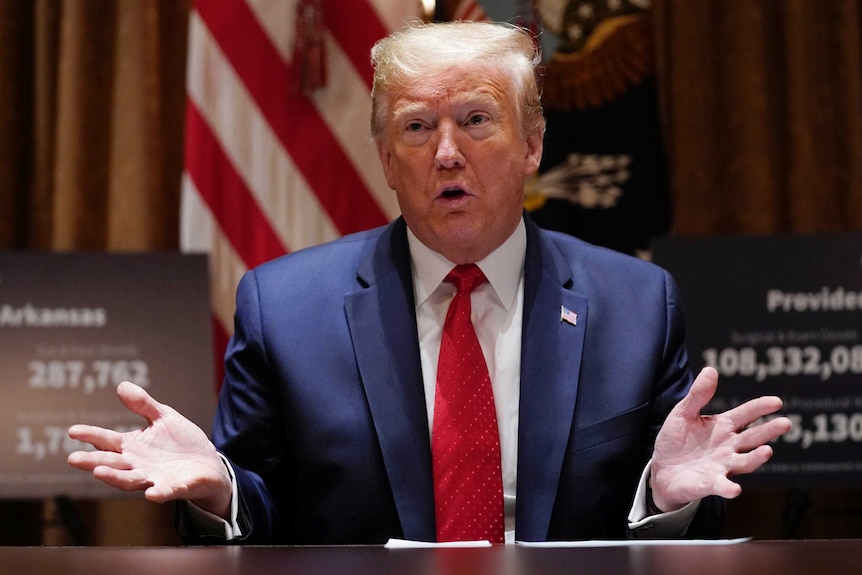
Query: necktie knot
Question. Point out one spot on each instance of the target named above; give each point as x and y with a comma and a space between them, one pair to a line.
466, 277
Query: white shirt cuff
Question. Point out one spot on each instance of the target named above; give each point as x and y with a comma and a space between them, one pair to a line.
206, 523
662, 525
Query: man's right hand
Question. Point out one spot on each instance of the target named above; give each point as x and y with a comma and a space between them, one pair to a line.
171, 458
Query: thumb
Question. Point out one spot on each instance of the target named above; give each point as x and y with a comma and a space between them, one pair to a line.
139, 401
701, 392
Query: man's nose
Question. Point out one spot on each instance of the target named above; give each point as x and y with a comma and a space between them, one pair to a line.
448, 152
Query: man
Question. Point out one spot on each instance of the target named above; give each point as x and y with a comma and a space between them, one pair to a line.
328, 428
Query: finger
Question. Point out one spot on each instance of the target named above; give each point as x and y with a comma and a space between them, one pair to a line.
747, 413
762, 433
89, 460
139, 401
701, 392
726, 488
159, 494
99, 437
126, 480
751, 461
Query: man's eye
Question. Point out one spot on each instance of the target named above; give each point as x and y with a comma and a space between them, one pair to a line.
477, 119
414, 127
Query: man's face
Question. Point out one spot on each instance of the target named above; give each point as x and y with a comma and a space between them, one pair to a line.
456, 156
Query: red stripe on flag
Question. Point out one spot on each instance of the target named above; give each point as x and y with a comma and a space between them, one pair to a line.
356, 34
294, 119
229, 199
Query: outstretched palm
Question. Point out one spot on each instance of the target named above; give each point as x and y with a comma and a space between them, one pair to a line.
171, 458
696, 454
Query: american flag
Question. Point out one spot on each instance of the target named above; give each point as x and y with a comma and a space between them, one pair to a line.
568, 316
271, 168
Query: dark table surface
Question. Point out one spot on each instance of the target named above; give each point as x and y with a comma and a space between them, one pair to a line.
758, 557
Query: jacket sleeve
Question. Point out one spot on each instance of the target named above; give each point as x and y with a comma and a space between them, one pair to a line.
247, 424
672, 383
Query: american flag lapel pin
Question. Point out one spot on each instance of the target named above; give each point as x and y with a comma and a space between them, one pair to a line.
568, 316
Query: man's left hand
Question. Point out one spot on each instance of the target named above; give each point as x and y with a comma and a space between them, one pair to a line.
695, 455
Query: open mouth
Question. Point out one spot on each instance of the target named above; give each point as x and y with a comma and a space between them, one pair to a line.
453, 193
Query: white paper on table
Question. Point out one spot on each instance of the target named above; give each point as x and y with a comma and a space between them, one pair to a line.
633, 542
408, 544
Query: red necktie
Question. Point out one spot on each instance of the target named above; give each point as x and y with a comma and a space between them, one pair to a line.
465, 443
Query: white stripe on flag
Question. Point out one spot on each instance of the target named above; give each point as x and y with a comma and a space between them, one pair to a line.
348, 118
202, 234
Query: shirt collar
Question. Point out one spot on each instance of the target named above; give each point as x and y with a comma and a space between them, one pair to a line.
430, 268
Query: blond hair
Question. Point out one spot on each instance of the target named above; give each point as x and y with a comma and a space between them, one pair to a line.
420, 50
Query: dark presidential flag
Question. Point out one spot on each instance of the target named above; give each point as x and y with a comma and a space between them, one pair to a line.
603, 175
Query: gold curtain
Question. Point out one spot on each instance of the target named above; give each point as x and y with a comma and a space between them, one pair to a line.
91, 112
762, 103
91, 118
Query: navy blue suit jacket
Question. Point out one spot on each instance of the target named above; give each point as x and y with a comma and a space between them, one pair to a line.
322, 411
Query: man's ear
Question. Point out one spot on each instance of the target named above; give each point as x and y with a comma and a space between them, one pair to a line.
385, 161
535, 145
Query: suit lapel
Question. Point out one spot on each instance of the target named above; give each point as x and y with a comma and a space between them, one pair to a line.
380, 314
550, 368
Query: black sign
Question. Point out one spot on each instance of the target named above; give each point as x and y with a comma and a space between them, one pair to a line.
72, 327
782, 315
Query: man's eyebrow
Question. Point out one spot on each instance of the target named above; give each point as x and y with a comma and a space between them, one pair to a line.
481, 99
406, 108
409, 108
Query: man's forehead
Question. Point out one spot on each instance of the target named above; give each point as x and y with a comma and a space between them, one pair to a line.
431, 96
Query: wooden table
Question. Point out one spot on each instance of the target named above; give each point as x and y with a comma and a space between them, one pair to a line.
833, 557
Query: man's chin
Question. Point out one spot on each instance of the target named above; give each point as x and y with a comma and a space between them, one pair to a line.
464, 245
